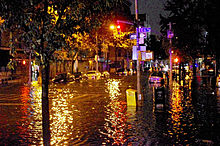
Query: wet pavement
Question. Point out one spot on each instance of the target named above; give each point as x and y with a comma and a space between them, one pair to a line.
95, 112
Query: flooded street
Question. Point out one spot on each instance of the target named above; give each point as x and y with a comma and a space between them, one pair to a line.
95, 112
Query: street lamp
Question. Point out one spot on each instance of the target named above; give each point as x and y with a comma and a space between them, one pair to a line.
112, 27
170, 36
176, 60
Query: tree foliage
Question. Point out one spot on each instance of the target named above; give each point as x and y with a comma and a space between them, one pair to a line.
190, 25
45, 26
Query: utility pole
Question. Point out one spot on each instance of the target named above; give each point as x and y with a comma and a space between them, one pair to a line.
138, 57
97, 56
30, 69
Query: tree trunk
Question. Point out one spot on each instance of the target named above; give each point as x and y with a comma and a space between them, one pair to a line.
45, 104
56, 68
64, 66
73, 61
108, 53
180, 72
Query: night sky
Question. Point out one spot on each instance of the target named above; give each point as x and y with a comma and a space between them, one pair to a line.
153, 8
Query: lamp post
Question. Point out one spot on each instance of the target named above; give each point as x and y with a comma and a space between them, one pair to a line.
30, 69
113, 27
96, 57
169, 36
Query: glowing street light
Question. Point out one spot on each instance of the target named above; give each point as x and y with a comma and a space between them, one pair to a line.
176, 60
112, 27
23, 62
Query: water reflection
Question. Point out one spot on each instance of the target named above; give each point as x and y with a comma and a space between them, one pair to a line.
95, 113
36, 114
21, 116
181, 129
61, 116
115, 118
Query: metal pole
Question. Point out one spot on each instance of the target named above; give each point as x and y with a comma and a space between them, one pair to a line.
97, 65
171, 65
138, 57
30, 69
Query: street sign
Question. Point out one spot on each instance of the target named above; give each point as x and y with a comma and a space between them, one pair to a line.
135, 52
170, 34
149, 55
141, 40
143, 35
145, 29
134, 35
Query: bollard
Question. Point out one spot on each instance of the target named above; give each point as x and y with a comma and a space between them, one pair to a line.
131, 95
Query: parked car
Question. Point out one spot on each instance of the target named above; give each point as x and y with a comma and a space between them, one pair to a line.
105, 74
157, 77
92, 75
60, 78
76, 76
123, 71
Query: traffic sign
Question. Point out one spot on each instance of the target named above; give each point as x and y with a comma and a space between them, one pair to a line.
170, 34
134, 36
135, 52
141, 40
145, 29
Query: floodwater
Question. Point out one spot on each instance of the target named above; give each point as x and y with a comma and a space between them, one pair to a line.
95, 112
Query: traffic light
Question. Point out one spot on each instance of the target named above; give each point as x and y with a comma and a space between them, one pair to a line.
112, 27
176, 60
23, 62
118, 29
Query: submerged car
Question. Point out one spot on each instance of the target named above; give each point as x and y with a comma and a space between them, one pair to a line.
67, 77
123, 71
157, 77
60, 78
120, 71
76, 76
105, 74
92, 75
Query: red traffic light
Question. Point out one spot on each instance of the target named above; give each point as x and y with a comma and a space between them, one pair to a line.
176, 60
118, 27
23, 62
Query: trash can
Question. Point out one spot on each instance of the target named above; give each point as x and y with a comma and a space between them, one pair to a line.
131, 95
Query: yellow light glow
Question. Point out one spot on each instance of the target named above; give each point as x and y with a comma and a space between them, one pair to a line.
1, 20
115, 116
112, 27
176, 60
